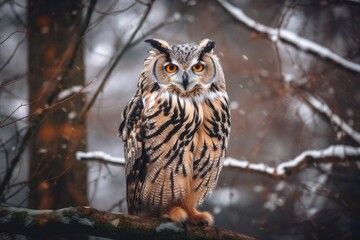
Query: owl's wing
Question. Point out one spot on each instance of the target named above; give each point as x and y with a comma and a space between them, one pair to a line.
135, 167
213, 138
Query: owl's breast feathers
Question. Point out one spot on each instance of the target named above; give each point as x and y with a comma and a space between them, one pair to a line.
174, 147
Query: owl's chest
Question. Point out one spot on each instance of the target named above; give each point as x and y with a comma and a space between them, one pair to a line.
170, 119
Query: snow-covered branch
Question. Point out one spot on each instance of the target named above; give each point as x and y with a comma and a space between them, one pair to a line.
89, 221
101, 157
330, 154
284, 35
323, 108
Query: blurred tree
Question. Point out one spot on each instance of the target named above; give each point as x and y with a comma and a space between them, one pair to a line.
56, 178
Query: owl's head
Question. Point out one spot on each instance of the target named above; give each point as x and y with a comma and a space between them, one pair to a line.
185, 68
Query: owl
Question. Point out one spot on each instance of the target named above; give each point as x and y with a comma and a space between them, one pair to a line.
175, 132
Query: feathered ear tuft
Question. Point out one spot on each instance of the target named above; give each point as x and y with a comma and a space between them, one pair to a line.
161, 45
206, 46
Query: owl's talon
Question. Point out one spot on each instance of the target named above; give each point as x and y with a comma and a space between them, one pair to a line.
203, 223
201, 218
178, 215
184, 222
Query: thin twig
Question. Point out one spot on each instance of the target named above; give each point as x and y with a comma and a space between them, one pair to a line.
12, 55
17, 31
116, 12
114, 64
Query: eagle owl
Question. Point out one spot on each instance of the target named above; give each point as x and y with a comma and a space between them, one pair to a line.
176, 131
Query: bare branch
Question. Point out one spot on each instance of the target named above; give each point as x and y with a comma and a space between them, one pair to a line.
289, 37
115, 12
13, 54
89, 221
321, 107
17, 31
115, 62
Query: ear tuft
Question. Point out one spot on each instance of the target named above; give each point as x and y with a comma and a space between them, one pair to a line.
206, 46
161, 45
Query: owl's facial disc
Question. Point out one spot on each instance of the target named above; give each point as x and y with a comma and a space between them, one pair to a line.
184, 68
184, 77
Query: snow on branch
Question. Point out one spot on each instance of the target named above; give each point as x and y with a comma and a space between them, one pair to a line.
287, 36
297, 163
323, 108
100, 157
70, 91
89, 221
329, 154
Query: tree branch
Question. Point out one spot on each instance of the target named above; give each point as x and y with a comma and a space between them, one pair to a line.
89, 221
100, 157
284, 35
331, 154
321, 107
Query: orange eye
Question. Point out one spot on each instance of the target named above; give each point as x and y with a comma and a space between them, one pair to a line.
198, 67
170, 68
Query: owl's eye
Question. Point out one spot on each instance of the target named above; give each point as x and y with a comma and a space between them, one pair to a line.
170, 68
199, 67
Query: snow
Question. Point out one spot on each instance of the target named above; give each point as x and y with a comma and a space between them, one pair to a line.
280, 186
340, 151
169, 226
70, 91
234, 105
231, 162
271, 203
290, 37
99, 155
72, 115
216, 210
227, 196
288, 77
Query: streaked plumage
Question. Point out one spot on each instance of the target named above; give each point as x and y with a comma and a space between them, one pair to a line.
176, 130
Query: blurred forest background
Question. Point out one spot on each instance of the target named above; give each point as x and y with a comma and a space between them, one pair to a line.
67, 69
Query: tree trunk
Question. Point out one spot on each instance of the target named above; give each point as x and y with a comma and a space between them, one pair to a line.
56, 179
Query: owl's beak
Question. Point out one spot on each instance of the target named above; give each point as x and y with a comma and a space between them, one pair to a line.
185, 80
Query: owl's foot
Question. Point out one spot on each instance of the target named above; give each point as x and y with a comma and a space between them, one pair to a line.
201, 218
178, 215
